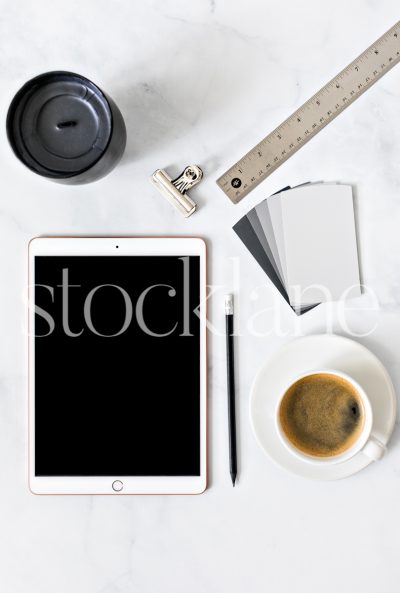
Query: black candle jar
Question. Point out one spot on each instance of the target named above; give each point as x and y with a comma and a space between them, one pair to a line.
63, 127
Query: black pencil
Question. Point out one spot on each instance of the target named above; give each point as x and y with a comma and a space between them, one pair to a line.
231, 387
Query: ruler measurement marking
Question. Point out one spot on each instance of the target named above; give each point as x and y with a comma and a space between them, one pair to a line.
346, 87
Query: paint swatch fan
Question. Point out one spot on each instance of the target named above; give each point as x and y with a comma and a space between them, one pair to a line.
304, 239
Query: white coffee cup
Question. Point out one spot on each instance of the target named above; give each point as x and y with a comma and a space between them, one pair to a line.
366, 443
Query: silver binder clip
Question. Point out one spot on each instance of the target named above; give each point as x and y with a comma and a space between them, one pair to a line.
175, 189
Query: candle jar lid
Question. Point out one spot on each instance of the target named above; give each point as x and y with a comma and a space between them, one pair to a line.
60, 124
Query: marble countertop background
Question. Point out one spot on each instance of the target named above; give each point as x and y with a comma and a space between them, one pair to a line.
202, 82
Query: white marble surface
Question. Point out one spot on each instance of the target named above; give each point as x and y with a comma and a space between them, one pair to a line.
202, 81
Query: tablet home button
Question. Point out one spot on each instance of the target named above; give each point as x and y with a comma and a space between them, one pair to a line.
117, 485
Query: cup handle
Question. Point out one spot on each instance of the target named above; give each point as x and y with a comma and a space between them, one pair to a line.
374, 449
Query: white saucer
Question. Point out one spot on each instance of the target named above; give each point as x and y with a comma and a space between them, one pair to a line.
312, 352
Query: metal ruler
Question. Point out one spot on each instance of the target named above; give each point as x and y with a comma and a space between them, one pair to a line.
311, 117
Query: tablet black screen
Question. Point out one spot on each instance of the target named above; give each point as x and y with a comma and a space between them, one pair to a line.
117, 366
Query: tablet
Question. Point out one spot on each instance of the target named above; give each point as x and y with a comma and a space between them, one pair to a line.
117, 366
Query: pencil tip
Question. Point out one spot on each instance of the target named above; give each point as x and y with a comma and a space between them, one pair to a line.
233, 477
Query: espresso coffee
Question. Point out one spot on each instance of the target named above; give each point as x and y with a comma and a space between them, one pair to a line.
322, 415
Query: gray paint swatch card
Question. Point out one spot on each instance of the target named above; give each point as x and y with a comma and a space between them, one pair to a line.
275, 212
258, 229
246, 233
265, 222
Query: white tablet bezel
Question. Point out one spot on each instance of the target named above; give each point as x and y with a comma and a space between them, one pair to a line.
126, 246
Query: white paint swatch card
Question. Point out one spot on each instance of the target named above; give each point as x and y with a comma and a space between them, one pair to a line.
318, 242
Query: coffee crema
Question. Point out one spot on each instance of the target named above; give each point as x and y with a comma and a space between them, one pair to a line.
322, 415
